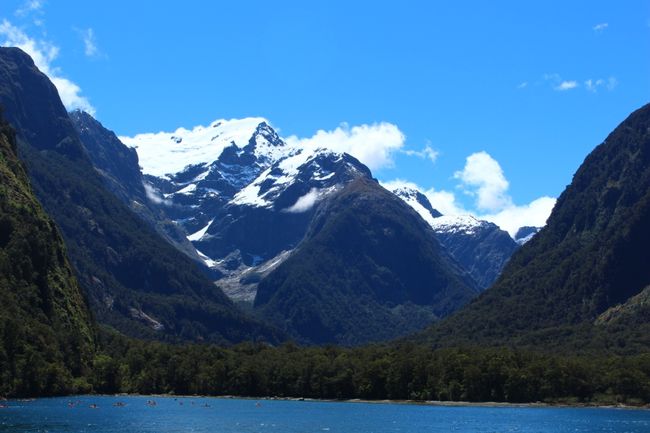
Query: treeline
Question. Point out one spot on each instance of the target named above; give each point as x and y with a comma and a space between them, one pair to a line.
372, 372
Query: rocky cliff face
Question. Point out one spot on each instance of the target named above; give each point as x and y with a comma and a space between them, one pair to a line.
119, 168
243, 196
128, 272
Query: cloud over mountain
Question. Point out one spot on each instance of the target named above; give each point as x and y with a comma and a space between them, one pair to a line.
44, 53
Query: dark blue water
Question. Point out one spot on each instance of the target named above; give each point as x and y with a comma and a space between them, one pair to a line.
233, 415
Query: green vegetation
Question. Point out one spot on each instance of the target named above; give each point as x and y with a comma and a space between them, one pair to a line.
369, 269
578, 293
125, 268
119, 169
46, 336
404, 371
135, 281
590, 257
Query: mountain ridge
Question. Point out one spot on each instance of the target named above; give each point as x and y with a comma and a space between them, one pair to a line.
368, 269
128, 272
587, 259
119, 167
479, 246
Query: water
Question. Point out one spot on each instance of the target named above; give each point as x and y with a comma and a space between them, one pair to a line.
251, 416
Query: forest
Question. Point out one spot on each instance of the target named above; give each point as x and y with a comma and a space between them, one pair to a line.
403, 371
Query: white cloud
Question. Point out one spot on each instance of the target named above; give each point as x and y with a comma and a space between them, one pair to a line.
612, 83
304, 203
557, 83
153, 195
395, 184
522, 85
593, 85
512, 217
90, 46
44, 53
445, 202
374, 145
29, 6
485, 175
427, 152
442, 201
600, 27
483, 178
566, 85
69, 93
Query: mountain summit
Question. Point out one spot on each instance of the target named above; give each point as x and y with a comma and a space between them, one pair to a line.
243, 196
368, 269
479, 246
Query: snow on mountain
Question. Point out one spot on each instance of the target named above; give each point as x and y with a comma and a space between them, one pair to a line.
165, 153
197, 236
245, 197
463, 224
525, 234
242, 194
416, 200
480, 246
315, 167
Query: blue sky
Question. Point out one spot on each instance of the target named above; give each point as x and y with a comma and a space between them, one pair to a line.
526, 88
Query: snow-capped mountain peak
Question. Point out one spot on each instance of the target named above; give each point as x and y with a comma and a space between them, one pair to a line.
164, 153
466, 224
480, 246
242, 195
416, 200
267, 144
304, 175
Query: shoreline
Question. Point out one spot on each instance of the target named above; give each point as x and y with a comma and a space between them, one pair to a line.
432, 403
439, 403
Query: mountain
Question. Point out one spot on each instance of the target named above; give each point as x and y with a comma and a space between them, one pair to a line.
244, 196
368, 269
135, 281
526, 233
117, 163
119, 167
246, 199
46, 332
479, 246
582, 278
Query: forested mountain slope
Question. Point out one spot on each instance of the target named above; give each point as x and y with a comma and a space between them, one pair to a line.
46, 334
591, 256
135, 281
369, 269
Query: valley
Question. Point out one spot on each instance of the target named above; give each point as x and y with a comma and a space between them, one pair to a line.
227, 259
